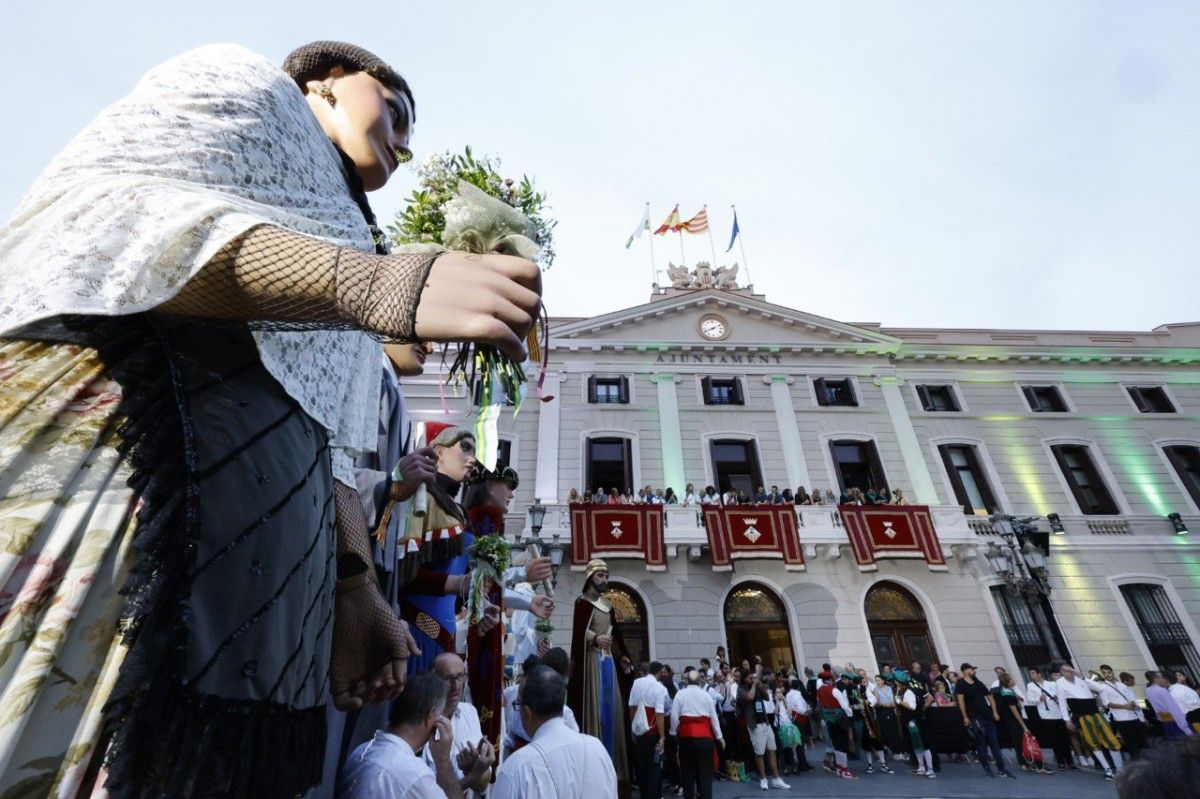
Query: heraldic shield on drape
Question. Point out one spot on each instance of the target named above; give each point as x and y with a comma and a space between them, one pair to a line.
617, 531
891, 531
753, 531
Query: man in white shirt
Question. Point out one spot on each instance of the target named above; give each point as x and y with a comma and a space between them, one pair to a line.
1189, 700
1043, 712
388, 764
648, 693
1094, 731
469, 742
514, 733
1123, 710
557, 763
710, 497
695, 724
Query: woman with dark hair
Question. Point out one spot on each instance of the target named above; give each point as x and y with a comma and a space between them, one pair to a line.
669, 497
194, 294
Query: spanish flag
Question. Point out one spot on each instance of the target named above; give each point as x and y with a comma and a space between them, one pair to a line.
671, 224
698, 223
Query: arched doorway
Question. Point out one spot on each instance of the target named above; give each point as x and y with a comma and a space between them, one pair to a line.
629, 612
757, 624
899, 631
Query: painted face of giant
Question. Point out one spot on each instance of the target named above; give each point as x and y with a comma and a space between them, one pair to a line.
457, 461
599, 580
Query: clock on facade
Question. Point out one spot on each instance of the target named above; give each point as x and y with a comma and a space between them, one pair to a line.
713, 327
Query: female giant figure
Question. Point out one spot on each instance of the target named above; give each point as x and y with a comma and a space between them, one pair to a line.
191, 301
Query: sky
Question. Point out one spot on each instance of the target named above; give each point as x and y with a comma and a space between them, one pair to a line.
917, 164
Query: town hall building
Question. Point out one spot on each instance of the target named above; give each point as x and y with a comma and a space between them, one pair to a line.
1093, 434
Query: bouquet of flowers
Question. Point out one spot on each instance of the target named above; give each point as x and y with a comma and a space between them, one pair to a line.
543, 628
489, 556
463, 203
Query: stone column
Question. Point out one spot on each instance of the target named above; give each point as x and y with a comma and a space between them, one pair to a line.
923, 492
789, 431
545, 483
669, 432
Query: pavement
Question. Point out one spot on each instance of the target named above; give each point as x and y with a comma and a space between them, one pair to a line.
965, 780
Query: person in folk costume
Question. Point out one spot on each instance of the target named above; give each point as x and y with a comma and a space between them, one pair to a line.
487, 497
872, 737
194, 293
595, 691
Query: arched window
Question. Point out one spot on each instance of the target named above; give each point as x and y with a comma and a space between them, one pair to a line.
629, 613
756, 624
898, 628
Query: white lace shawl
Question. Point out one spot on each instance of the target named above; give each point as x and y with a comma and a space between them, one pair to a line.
208, 145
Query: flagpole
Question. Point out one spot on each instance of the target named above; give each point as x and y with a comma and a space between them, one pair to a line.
712, 247
650, 240
682, 257
742, 248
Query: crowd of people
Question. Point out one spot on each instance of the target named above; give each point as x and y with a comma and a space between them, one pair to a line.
731, 496
765, 720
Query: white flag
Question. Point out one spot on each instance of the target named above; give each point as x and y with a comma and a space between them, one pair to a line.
641, 226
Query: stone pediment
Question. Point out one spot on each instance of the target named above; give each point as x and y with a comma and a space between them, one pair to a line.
748, 321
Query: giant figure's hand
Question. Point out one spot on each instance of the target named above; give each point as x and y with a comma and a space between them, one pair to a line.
541, 606
371, 647
489, 299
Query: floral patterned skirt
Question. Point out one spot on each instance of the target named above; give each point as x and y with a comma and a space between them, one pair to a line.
66, 525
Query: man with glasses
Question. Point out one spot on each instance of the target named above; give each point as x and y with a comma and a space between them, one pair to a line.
471, 755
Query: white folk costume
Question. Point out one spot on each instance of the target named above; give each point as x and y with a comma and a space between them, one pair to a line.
124, 434
557, 764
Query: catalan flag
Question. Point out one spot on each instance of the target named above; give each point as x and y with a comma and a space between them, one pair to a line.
698, 223
671, 224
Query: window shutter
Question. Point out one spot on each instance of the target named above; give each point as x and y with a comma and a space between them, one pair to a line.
706, 390
1031, 397
1139, 399
923, 395
627, 450
850, 392
822, 392
592, 388
623, 392
960, 492
981, 481
737, 392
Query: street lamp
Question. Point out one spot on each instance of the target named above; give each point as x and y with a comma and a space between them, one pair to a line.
537, 515
555, 549
1018, 561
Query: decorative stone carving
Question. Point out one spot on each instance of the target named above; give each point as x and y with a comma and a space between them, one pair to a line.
703, 276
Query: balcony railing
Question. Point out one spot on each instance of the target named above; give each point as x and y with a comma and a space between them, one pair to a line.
959, 534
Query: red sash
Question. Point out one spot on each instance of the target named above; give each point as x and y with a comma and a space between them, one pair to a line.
799, 719
695, 727
698, 727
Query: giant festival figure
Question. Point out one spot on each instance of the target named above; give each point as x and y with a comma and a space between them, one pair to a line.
594, 691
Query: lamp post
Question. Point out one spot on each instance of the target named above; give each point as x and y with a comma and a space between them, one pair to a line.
537, 518
1020, 563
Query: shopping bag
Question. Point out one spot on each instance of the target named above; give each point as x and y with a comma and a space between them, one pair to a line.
640, 724
789, 735
1031, 750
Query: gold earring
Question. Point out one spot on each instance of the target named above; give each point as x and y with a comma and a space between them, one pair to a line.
326, 92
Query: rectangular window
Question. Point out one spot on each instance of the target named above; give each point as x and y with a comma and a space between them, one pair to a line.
1165, 636
609, 464
835, 393
722, 391
1084, 478
735, 464
1185, 460
503, 453
1044, 399
1150, 399
968, 479
608, 390
937, 398
857, 465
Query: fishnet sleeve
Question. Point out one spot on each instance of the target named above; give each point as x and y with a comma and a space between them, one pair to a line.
284, 280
